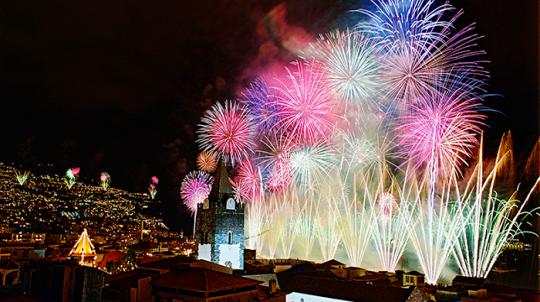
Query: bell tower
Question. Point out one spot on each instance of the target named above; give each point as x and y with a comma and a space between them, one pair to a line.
220, 224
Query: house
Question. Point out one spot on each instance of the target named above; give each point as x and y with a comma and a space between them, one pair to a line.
413, 278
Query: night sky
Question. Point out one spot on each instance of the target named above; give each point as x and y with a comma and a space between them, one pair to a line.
119, 86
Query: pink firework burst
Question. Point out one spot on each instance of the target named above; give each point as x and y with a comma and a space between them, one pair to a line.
227, 130
441, 130
75, 171
195, 189
247, 183
304, 107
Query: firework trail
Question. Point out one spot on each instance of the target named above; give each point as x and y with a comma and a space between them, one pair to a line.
22, 176
491, 221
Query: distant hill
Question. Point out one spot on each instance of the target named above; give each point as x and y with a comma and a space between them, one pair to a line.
44, 203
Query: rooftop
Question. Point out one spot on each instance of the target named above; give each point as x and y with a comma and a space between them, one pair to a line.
202, 280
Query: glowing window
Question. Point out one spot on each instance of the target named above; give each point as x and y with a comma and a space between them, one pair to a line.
231, 204
229, 238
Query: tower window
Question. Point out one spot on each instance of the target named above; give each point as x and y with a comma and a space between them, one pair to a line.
229, 238
206, 204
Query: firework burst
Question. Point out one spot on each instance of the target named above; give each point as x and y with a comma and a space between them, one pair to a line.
247, 183
310, 163
351, 65
419, 49
227, 131
258, 99
441, 130
305, 110
360, 145
195, 189
206, 162
274, 160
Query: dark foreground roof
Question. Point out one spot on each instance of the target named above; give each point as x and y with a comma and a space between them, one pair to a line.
202, 280
345, 290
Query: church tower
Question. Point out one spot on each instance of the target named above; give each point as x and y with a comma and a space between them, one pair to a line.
220, 224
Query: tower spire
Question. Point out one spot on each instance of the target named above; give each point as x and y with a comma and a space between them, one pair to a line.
221, 184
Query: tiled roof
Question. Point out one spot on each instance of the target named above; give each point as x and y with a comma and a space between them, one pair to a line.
202, 280
167, 263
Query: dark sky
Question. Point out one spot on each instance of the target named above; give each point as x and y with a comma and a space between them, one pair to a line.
119, 86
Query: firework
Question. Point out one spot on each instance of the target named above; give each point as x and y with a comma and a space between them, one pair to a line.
351, 65
22, 176
441, 130
492, 221
206, 162
71, 177
433, 227
258, 99
361, 145
274, 160
227, 131
304, 108
105, 180
355, 223
419, 48
152, 187
195, 189
247, 182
